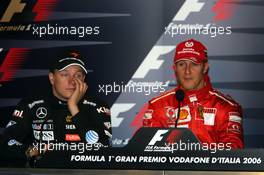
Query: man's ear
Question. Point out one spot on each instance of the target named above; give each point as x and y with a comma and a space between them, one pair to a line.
206, 68
174, 67
84, 79
51, 78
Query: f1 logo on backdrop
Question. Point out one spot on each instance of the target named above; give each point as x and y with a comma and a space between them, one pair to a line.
20, 11
151, 61
188, 7
26, 10
15, 6
12, 60
1, 73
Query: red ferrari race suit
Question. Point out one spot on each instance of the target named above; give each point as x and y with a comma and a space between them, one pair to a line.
212, 117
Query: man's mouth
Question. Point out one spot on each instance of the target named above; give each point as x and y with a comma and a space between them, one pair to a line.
188, 79
70, 89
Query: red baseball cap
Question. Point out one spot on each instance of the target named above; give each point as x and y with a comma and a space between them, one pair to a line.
191, 50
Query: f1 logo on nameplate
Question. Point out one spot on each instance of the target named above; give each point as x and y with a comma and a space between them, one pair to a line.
158, 136
159, 139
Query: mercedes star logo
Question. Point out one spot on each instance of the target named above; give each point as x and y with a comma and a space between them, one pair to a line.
41, 112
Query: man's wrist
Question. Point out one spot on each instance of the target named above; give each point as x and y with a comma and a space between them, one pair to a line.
73, 109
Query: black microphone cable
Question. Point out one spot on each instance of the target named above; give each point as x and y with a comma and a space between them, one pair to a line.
179, 97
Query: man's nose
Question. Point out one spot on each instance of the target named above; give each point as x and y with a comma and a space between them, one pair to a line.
71, 80
188, 69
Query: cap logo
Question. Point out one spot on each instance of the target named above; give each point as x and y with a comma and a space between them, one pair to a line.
189, 44
72, 59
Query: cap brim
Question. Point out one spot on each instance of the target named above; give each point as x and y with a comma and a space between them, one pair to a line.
72, 64
194, 60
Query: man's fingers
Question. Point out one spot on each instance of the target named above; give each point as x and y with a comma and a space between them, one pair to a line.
85, 88
82, 86
34, 152
78, 86
77, 83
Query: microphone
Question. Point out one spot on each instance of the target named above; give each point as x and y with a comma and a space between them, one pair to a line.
179, 97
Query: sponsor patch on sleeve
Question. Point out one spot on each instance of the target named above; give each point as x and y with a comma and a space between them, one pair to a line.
13, 142
235, 122
147, 118
103, 110
18, 113
107, 125
86, 102
108, 133
148, 114
11, 123
234, 127
235, 117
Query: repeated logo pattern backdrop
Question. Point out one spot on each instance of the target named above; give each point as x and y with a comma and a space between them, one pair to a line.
129, 47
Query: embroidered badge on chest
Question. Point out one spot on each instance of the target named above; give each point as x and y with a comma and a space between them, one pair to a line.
200, 111
69, 118
184, 117
209, 116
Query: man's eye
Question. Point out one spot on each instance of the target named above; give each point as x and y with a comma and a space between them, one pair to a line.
195, 65
78, 76
180, 64
64, 75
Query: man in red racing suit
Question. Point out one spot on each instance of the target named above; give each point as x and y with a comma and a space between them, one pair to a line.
212, 117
